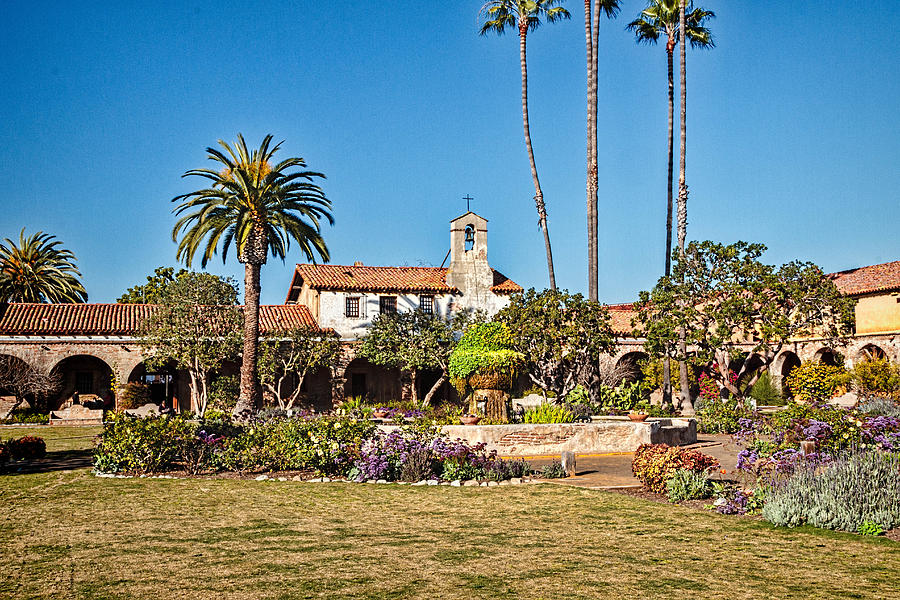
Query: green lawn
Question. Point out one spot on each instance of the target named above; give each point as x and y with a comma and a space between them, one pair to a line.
68, 534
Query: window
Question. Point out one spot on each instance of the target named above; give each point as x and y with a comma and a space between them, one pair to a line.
426, 303
388, 304
351, 308
84, 383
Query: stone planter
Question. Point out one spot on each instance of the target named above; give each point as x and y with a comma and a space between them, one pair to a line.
469, 419
639, 417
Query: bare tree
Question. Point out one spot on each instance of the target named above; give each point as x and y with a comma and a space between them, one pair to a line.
27, 383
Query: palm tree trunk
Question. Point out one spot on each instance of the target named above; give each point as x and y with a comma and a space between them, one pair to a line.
249, 398
670, 50
538, 194
685, 403
591, 140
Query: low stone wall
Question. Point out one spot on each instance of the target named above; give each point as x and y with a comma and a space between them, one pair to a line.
606, 435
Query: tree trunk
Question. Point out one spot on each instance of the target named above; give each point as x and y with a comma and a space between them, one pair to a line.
413, 375
670, 182
426, 402
249, 398
687, 406
538, 194
591, 33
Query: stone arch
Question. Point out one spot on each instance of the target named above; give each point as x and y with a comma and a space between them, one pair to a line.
871, 352
629, 364
371, 382
161, 381
828, 356
88, 377
784, 363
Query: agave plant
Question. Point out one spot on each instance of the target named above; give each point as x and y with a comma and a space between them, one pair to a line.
37, 269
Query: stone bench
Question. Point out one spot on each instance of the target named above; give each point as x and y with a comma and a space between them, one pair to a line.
77, 414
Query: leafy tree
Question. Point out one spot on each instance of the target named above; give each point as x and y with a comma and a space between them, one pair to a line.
152, 291
484, 358
38, 270
259, 206
197, 327
592, 41
562, 337
727, 302
294, 353
525, 16
413, 341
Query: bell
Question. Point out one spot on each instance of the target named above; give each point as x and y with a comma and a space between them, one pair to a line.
470, 235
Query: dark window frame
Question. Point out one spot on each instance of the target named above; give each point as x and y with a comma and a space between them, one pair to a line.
351, 307
387, 304
426, 303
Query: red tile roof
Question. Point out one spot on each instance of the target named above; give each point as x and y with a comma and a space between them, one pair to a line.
620, 316
866, 280
361, 278
118, 319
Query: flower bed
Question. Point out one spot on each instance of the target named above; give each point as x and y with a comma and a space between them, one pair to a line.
340, 448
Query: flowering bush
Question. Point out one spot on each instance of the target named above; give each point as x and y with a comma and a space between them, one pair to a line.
814, 381
709, 389
26, 448
877, 377
653, 464
721, 415
142, 445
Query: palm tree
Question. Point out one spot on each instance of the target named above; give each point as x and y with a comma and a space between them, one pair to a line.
662, 17
592, 40
525, 15
258, 206
38, 270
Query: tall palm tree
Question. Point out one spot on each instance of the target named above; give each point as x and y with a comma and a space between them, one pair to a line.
664, 17
259, 206
592, 39
525, 16
38, 270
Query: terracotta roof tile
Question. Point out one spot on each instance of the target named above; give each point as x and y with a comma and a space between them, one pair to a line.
117, 319
866, 280
363, 278
620, 316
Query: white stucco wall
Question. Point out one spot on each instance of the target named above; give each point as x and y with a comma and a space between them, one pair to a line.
332, 308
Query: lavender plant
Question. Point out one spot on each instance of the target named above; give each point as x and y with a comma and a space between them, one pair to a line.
858, 487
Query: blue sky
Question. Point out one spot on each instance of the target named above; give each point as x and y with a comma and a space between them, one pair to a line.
793, 131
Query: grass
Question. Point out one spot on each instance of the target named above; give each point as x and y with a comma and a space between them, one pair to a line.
67, 534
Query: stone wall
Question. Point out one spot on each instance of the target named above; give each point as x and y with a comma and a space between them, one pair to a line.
610, 435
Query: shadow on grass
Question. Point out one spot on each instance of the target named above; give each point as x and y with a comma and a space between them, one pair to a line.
63, 460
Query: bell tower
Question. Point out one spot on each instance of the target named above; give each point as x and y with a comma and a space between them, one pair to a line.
469, 270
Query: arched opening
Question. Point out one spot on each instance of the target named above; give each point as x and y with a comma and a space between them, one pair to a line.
470, 238
161, 382
786, 362
628, 367
85, 380
871, 352
828, 356
371, 382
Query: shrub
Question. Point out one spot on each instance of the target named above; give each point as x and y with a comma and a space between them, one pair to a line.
500, 470
483, 358
624, 397
553, 471
223, 393
721, 415
831, 427
26, 415
548, 413
880, 407
859, 488
814, 381
685, 484
877, 377
653, 464
26, 448
132, 395
765, 392
141, 445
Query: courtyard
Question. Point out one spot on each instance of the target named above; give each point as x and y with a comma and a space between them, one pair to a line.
69, 534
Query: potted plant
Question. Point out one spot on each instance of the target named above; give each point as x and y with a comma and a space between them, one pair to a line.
640, 412
469, 419
381, 412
